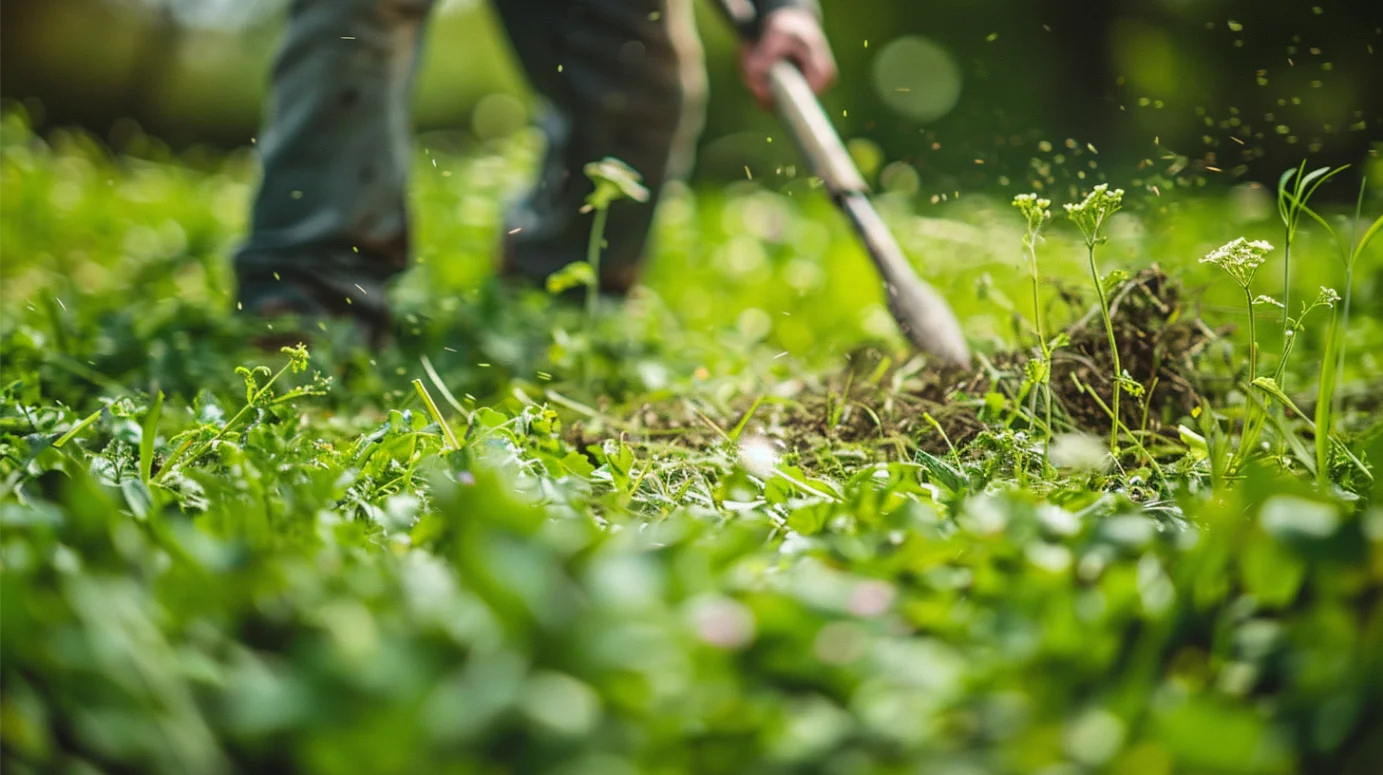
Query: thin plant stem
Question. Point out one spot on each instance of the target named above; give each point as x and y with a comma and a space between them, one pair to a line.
202, 448
593, 258
1253, 420
1344, 323
1046, 353
1325, 397
1355, 249
1133, 437
1113, 349
1253, 336
1286, 305
593, 290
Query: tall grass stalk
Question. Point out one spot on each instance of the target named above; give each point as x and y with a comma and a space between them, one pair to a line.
1358, 245
1292, 204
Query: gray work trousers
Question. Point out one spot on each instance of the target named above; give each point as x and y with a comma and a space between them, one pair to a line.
330, 224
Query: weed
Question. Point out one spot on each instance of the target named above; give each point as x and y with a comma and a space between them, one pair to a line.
1090, 215
1037, 213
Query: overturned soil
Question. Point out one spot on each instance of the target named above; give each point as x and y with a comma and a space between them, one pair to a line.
874, 402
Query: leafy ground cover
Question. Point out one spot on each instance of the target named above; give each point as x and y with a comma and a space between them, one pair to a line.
730, 526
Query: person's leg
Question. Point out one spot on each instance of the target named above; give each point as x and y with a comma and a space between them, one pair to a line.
329, 224
622, 78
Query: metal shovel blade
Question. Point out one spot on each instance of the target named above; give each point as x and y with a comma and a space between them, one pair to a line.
922, 314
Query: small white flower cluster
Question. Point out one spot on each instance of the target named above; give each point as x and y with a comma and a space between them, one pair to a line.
1034, 209
1098, 205
1328, 298
1240, 258
1099, 200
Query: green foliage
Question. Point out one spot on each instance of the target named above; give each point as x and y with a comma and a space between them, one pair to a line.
733, 556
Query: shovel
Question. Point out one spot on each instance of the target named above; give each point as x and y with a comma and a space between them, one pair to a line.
922, 314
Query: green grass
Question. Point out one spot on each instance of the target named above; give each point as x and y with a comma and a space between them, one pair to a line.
733, 526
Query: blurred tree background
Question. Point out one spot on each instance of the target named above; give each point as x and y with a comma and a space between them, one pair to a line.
972, 94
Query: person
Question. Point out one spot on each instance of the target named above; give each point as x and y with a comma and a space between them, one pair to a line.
330, 227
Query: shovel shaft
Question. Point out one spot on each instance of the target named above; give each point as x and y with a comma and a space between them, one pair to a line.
807, 121
922, 314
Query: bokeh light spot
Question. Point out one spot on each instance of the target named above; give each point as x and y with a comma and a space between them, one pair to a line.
917, 77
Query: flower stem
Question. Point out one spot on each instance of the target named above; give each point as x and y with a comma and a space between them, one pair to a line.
593, 290
1253, 419
1286, 304
1253, 337
593, 258
1046, 351
1113, 350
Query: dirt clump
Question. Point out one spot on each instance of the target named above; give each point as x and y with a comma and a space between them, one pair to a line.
876, 404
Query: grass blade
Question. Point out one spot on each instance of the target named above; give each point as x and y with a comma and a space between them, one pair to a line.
149, 430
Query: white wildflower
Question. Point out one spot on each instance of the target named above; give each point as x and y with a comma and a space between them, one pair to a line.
1240, 259
1036, 210
1092, 211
